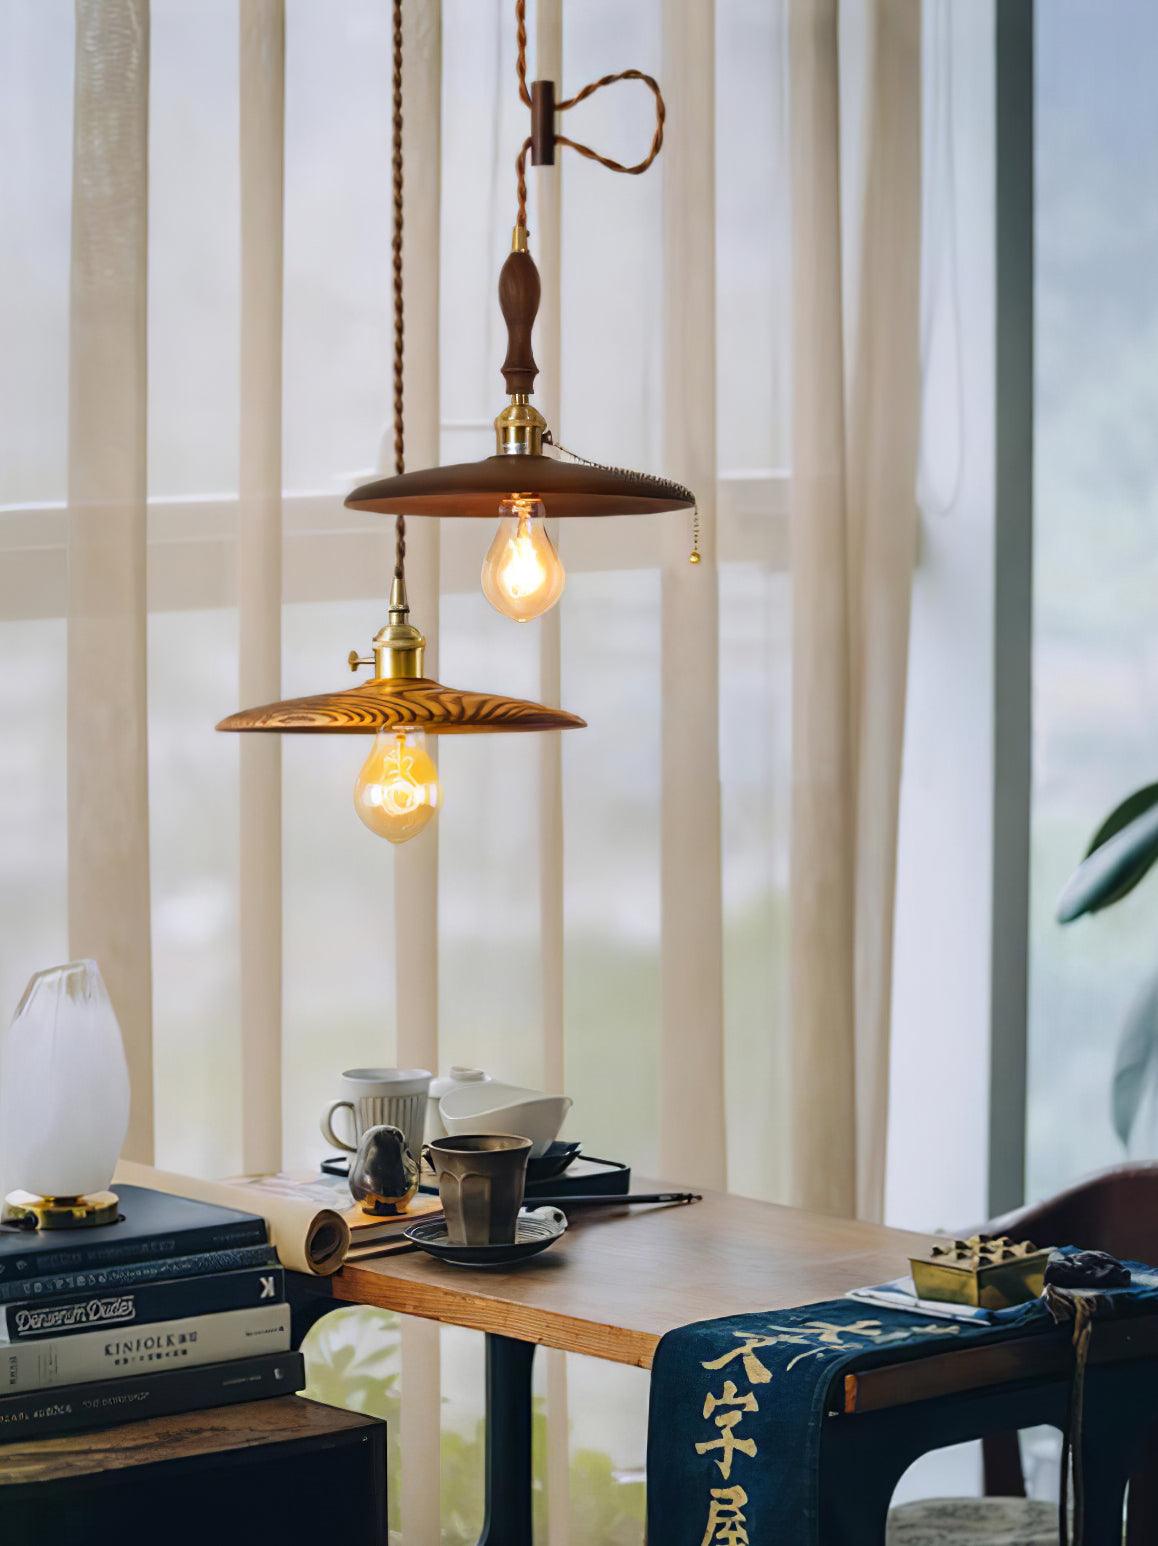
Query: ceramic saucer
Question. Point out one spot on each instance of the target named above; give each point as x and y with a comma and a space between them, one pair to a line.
534, 1232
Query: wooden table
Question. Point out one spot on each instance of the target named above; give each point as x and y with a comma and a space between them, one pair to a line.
619, 1279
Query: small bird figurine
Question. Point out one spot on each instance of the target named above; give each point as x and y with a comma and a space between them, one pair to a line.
383, 1173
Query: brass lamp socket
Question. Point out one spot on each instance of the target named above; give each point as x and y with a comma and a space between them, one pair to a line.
31, 1210
399, 648
519, 428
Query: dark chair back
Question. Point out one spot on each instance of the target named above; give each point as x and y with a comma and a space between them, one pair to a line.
1116, 1211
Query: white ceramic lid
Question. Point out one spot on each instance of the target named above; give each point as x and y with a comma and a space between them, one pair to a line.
459, 1074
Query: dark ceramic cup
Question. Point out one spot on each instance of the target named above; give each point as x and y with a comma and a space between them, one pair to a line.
480, 1182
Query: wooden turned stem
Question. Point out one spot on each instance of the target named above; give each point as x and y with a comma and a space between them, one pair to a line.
519, 300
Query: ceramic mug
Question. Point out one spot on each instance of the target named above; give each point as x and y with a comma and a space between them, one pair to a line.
481, 1177
380, 1097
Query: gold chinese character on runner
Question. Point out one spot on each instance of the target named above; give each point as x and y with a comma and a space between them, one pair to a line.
726, 1523
831, 1335
753, 1368
822, 1337
727, 1423
731, 1397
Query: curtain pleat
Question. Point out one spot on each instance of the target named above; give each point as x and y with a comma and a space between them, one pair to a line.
259, 571
853, 549
822, 866
107, 749
692, 1143
415, 864
884, 430
548, 192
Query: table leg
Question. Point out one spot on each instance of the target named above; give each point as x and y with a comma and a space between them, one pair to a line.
1143, 1511
507, 1521
1113, 1445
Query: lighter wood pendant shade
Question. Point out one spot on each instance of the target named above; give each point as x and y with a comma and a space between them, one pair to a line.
396, 793
400, 696
389, 703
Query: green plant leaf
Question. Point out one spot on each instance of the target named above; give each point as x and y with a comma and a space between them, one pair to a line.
1134, 1059
1133, 806
1123, 850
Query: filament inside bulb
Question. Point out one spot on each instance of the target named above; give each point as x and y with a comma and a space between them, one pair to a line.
397, 791
522, 574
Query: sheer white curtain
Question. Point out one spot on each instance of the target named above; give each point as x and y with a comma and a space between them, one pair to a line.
108, 827
196, 297
856, 415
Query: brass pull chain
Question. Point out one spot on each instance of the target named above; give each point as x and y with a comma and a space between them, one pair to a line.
677, 489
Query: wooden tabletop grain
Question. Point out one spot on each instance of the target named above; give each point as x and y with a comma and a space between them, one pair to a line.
620, 1278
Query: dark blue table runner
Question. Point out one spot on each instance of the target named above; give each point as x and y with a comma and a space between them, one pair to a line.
737, 1406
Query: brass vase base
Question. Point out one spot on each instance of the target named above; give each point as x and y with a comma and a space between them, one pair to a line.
32, 1211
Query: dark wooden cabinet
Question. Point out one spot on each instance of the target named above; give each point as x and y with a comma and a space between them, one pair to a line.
287, 1472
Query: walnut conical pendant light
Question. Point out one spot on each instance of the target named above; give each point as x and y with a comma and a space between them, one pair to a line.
397, 792
521, 484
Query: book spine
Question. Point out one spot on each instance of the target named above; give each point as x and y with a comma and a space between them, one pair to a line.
40, 1413
101, 1355
184, 1242
129, 1274
140, 1306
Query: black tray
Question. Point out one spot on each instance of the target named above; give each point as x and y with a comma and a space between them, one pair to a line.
611, 1178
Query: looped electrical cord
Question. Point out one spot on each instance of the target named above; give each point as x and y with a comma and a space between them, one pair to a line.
568, 102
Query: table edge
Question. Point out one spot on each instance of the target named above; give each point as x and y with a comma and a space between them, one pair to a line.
478, 1312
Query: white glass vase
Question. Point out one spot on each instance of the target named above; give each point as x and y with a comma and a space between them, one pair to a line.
64, 1086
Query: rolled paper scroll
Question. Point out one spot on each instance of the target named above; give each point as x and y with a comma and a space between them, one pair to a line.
308, 1236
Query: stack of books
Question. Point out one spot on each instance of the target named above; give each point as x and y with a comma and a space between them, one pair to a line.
179, 1306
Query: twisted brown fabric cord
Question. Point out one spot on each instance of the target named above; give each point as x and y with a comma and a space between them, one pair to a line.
521, 50
580, 96
396, 253
1081, 1308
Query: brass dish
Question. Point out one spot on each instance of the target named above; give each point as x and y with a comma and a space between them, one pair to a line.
989, 1274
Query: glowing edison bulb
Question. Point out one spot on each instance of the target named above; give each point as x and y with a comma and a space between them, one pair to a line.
522, 575
397, 789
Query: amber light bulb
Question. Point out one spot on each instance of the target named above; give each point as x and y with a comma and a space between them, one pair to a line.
397, 789
522, 574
